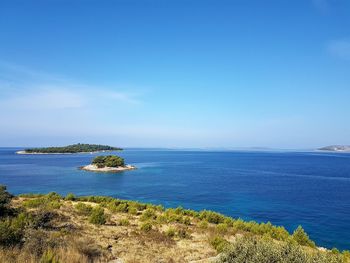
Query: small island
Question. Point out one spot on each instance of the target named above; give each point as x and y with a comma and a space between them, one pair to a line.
109, 163
336, 148
70, 149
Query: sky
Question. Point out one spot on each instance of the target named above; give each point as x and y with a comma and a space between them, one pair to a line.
184, 73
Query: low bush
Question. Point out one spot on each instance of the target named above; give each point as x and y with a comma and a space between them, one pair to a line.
222, 228
132, 211
124, 222
148, 214
302, 238
257, 250
146, 227
203, 224
5, 199
70, 197
123, 207
83, 209
212, 217
10, 235
49, 201
171, 232
97, 216
218, 243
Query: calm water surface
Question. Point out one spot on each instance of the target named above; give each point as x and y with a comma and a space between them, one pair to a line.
286, 188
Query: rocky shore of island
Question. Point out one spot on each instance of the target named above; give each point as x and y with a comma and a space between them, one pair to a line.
95, 168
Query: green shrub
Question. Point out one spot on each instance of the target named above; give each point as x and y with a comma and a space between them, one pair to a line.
162, 219
83, 209
302, 238
137, 205
258, 250
146, 227
218, 243
174, 215
70, 197
5, 199
203, 224
279, 233
50, 201
179, 210
123, 207
148, 214
222, 228
132, 211
124, 222
170, 232
22, 220
54, 196
11, 231
97, 216
212, 217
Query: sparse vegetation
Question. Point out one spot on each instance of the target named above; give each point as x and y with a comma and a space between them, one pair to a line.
70, 197
257, 250
83, 209
219, 243
51, 228
146, 227
124, 222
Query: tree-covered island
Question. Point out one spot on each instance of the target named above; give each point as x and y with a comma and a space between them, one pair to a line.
74, 148
108, 163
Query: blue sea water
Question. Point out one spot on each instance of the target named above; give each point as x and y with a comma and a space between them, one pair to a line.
311, 189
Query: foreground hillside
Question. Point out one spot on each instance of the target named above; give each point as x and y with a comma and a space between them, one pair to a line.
50, 228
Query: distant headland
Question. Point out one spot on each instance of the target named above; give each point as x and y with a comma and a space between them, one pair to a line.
70, 149
336, 148
109, 163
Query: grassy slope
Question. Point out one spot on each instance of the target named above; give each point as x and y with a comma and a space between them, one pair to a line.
65, 232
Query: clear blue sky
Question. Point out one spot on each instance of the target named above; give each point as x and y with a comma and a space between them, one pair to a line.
184, 73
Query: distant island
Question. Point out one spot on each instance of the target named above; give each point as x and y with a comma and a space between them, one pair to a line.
336, 148
109, 163
74, 148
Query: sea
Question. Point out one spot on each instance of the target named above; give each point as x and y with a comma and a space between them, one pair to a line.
311, 189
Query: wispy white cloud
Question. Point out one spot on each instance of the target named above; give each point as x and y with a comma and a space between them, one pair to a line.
44, 99
23, 88
340, 48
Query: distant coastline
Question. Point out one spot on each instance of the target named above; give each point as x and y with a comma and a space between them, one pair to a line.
41, 153
70, 149
336, 148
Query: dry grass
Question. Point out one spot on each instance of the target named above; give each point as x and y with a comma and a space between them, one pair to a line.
71, 238
66, 233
